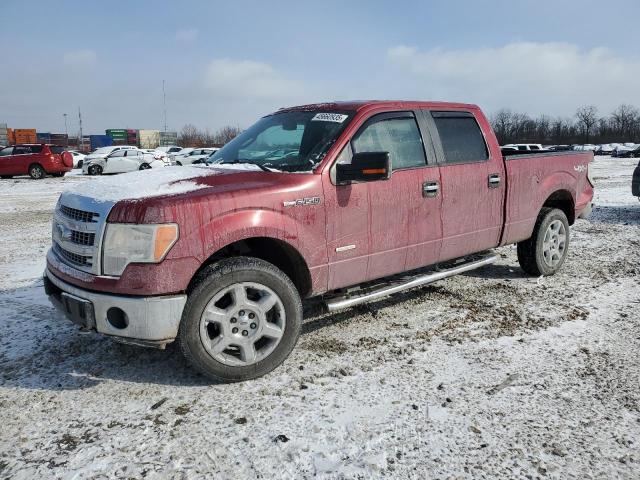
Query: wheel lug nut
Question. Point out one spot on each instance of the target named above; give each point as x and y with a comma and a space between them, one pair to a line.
252, 315
253, 325
234, 320
241, 313
234, 330
244, 333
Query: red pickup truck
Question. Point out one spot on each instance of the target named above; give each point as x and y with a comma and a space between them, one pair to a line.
308, 201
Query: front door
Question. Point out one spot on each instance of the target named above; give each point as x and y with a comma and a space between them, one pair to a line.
383, 227
472, 184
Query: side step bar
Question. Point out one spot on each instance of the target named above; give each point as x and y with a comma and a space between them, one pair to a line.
339, 303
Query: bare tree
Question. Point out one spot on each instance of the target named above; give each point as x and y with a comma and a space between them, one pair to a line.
226, 134
587, 116
624, 121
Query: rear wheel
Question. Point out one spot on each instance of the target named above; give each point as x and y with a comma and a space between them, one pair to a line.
546, 250
179, 164
241, 321
145, 166
95, 170
36, 172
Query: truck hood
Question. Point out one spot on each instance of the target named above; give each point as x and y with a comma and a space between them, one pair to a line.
168, 181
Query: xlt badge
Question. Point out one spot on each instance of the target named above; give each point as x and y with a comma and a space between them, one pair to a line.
302, 201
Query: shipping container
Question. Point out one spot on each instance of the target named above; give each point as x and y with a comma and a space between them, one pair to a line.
11, 138
168, 139
149, 138
43, 137
97, 141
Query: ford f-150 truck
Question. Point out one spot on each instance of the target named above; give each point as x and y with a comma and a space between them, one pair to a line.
332, 201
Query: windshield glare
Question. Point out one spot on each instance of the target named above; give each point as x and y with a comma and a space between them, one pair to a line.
294, 141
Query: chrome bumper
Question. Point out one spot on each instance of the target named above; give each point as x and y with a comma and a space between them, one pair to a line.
147, 321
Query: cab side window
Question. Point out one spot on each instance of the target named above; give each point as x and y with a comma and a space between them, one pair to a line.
461, 138
397, 134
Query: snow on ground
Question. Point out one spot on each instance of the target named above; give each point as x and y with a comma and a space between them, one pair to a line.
489, 374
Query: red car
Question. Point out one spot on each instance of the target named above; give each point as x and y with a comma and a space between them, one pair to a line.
35, 160
331, 201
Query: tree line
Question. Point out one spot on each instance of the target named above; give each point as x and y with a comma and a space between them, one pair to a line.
586, 126
191, 136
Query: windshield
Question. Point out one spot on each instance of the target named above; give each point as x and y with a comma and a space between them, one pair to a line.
294, 141
103, 151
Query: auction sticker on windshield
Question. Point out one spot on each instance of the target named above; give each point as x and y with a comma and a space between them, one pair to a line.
329, 117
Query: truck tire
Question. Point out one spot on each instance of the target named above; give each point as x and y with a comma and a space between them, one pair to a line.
546, 250
36, 171
241, 320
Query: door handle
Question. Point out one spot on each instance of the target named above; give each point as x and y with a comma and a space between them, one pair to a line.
494, 180
430, 189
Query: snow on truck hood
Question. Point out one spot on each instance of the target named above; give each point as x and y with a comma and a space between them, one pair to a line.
150, 183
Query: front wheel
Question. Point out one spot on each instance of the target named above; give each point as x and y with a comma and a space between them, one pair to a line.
241, 321
95, 170
546, 250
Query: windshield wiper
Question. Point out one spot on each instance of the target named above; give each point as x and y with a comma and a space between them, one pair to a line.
248, 162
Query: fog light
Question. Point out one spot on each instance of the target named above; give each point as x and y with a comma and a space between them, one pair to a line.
117, 318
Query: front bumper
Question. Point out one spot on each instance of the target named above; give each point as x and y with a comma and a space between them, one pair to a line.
147, 321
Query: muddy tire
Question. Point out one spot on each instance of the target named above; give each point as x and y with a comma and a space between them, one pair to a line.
36, 171
545, 252
241, 320
95, 170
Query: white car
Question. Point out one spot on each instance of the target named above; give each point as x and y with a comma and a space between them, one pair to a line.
181, 153
198, 155
78, 158
534, 147
103, 152
163, 153
120, 161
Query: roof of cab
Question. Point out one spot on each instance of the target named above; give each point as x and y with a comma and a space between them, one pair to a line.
356, 105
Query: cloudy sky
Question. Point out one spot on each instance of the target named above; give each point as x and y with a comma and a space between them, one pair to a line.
230, 62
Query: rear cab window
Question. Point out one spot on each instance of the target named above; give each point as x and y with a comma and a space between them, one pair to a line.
461, 137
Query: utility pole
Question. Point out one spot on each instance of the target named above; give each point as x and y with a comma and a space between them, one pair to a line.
164, 106
81, 139
66, 131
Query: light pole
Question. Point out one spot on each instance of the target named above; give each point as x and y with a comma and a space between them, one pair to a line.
66, 132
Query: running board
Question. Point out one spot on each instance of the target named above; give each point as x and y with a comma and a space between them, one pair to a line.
339, 303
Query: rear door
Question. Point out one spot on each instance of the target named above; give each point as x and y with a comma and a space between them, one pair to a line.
472, 184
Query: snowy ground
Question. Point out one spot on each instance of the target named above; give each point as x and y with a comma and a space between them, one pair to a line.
490, 374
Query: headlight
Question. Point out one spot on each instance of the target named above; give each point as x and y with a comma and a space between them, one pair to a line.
128, 243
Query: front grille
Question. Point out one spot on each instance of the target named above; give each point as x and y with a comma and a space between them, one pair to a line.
83, 238
79, 215
73, 257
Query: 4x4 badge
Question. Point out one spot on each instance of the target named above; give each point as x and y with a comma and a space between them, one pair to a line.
302, 201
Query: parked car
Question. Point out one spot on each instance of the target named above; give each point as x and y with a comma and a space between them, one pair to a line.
621, 151
525, 146
629, 152
197, 156
635, 182
182, 152
604, 149
78, 158
311, 201
103, 152
35, 160
121, 161
164, 153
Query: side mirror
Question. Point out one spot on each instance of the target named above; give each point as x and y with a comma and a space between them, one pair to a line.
364, 167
